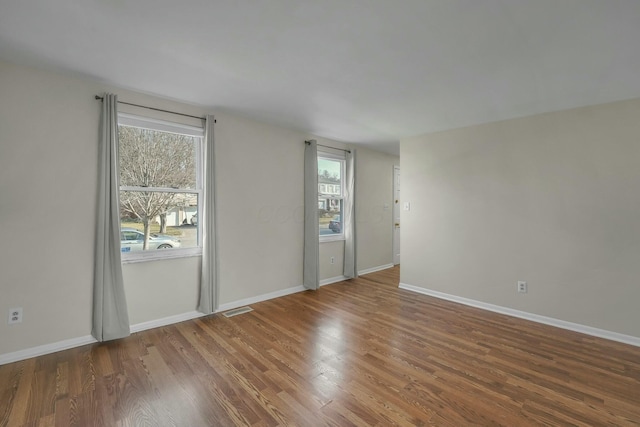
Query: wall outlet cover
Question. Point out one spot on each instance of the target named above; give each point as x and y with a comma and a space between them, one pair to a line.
15, 316
522, 286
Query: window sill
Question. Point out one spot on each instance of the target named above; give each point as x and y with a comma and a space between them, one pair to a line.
160, 254
330, 238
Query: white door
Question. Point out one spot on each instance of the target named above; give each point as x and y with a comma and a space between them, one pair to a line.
396, 215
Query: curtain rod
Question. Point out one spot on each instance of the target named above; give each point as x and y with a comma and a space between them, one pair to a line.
155, 109
326, 146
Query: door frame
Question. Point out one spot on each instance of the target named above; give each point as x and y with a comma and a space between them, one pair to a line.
396, 214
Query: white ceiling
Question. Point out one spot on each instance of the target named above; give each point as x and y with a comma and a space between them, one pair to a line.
363, 71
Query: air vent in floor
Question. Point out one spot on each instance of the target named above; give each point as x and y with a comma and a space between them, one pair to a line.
237, 311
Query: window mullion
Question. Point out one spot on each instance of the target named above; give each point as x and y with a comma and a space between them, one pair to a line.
159, 189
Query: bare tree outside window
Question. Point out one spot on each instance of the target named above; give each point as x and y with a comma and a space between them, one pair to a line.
154, 160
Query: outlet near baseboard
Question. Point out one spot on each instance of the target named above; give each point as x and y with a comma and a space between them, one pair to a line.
522, 287
15, 316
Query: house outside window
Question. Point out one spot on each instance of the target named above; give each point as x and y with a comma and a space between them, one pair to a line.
331, 172
161, 186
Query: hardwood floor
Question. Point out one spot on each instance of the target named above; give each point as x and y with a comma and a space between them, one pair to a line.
361, 352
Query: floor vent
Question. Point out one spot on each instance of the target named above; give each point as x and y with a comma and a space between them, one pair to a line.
237, 311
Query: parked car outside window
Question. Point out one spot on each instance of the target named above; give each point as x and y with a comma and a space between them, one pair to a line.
133, 240
335, 224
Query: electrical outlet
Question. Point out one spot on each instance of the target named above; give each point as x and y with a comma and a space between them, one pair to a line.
332, 260
15, 316
522, 287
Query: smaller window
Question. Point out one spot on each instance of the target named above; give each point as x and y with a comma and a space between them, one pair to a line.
330, 196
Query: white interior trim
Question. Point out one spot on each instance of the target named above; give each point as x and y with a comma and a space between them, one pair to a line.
144, 122
360, 273
331, 280
28, 353
157, 323
157, 255
374, 269
325, 238
260, 298
80, 341
40, 350
576, 327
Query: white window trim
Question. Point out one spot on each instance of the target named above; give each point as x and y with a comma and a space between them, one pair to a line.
179, 128
160, 254
161, 125
339, 157
331, 238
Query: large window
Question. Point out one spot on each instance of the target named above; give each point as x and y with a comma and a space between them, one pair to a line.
330, 196
160, 188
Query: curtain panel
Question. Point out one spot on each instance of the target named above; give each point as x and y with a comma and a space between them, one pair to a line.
349, 220
208, 301
310, 270
110, 316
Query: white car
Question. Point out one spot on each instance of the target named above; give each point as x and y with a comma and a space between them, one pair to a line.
133, 240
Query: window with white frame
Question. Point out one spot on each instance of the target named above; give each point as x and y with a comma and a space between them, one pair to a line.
331, 172
161, 188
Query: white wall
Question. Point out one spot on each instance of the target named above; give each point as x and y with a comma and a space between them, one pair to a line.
551, 199
259, 194
48, 160
149, 283
327, 250
374, 208
48, 163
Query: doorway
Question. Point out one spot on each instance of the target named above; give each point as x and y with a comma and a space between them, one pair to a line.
396, 215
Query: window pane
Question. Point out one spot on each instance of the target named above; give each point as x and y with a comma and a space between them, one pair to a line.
329, 177
172, 220
330, 216
151, 158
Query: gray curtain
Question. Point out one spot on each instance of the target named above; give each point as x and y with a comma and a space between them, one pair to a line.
349, 221
208, 284
110, 317
310, 270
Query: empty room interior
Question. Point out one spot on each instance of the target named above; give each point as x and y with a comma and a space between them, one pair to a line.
320, 213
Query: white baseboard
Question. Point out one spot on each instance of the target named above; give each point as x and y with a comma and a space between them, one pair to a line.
138, 327
259, 298
576, 327
40, 350
28, 353
360, 273
16, 356
374, 269
331, 280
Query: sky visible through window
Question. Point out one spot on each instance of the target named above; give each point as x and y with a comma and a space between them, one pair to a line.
331, 166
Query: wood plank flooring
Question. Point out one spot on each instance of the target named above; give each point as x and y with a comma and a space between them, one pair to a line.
356, 353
